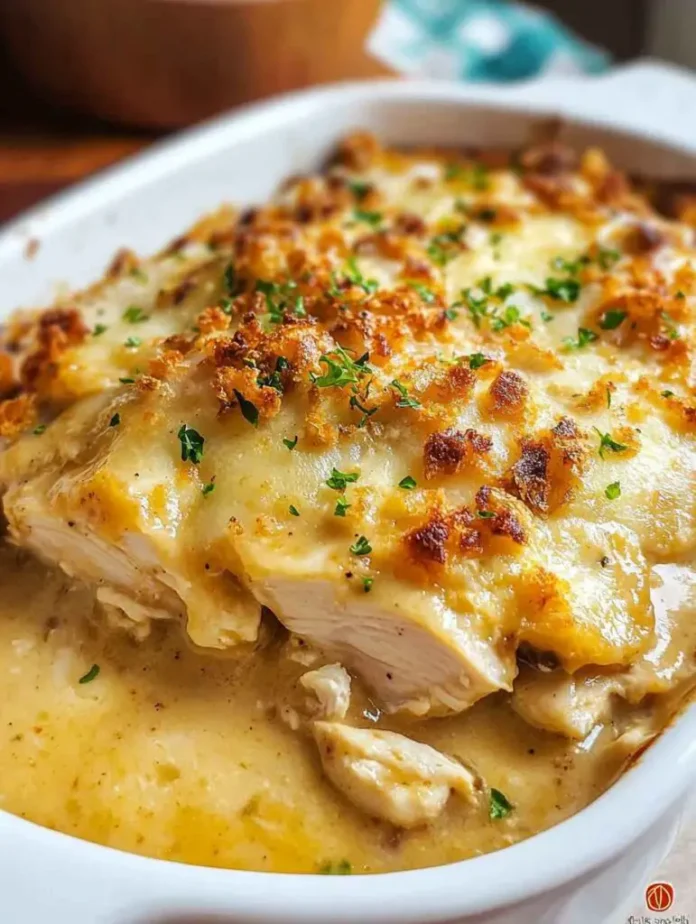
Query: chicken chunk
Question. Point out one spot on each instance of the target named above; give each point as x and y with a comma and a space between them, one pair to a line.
390, 776
565, 704
330, 686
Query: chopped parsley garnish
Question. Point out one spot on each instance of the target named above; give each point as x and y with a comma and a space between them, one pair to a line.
225, 304
341, 371
339, 480
373, 219
425, 293
612, 319
485, 514
341, 868
560, 290
404, 400
672, 331
367, 583
134, 314
451, 314
546, 316
341, 506
367, 412
290, 443
613, 490
572, 267
280, 296
293, 510
584, 337
607, 443
274, 380
359, 189
139, 275
608, 396
191, 444
91, 674
115, 420
132, 342
476, 360
476, 176
353, 275
361, 547
408, 483
208, 488
99, 329
249, 410
37, 431
125, 380
498, 806
445, 247
667, 393
680, 295
511, 315
607, 257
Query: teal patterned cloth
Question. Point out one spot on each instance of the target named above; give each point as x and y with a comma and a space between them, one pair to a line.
479, 40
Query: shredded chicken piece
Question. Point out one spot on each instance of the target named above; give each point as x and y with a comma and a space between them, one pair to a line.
390, 776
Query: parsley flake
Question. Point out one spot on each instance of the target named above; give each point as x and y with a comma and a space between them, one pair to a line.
191, 444
339, 480
293, 510
91, 674
139, 275
367, 583
99, 329
499, 806
485, 514
290, 443
125, 380
249, 410
115, 420
359, 189
560, 290
425, 293
361, 547
444, 247
451, 314
608, 257
584, 337
132, 342
613, 490
408, 483
208, 488
341, 868
341, 506
134, 314
606, 442
667, 393
476, 360
342, 370
37, 431
373, 219
404, 400
612, 319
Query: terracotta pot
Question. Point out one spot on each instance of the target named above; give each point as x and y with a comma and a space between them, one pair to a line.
166, 63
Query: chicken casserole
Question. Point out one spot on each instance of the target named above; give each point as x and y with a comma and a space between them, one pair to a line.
408, 457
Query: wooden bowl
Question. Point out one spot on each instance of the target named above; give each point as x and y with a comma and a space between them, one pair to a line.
167, 63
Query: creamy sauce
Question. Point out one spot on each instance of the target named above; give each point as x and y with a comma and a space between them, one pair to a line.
181, 755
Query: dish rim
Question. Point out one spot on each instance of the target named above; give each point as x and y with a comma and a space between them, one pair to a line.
547, 860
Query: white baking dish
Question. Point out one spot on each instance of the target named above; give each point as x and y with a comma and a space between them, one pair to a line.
585, 870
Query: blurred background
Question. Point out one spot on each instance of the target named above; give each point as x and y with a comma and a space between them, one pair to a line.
87, 82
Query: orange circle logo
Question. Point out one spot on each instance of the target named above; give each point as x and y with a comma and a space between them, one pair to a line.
659, 896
